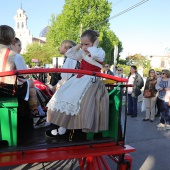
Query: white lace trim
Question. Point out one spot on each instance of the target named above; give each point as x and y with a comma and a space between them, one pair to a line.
68, 108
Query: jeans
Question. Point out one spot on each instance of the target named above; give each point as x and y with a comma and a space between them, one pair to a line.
132, 105
158, 109
164, 110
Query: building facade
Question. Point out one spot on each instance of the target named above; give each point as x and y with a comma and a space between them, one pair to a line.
161, 62
22, 32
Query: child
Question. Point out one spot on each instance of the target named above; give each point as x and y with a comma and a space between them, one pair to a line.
34, 103
16, 45
68, 62
82, 102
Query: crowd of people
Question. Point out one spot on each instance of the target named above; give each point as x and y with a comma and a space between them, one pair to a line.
157, 97
156, 93
74, 102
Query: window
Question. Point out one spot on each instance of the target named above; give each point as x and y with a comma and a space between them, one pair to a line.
22, 25
18, 25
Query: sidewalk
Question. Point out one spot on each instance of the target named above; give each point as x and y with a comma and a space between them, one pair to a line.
152, 144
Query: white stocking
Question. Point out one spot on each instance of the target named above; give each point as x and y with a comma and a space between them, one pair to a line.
60, 131
41, 111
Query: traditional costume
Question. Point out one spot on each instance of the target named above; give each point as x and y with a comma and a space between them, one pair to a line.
82, 102
9, 61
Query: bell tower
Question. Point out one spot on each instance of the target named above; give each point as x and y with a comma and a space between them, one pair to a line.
21, 30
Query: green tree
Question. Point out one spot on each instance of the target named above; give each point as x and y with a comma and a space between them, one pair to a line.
138, 60
121, 61
38, 51
109, 41
79, 15
67, 25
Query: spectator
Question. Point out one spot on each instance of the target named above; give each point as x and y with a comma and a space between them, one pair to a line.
150, 101
158, 74
133, 92
163, 87
107, 69
115, 71
120, 73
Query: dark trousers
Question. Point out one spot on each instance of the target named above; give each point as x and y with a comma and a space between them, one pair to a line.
164, 111
158, 109
132, 105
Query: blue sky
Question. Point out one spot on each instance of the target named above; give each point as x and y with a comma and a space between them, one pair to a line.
144, 30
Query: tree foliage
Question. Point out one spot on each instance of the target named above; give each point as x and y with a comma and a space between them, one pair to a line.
79, 15
138, 60
76, 17
40, 52
109, 40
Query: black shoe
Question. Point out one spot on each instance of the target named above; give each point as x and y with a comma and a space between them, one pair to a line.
48, 134
134, 116
145, 119
129, 114
157, 115
151, 121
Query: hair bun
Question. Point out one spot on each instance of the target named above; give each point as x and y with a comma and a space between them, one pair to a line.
97, 33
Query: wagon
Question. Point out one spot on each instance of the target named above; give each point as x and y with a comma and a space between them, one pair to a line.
21, 144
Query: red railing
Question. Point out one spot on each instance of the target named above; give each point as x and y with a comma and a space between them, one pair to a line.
62, 70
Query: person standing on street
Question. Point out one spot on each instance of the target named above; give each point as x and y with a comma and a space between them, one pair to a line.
163, 87
107, 69
158, 74
151, 99
136, 80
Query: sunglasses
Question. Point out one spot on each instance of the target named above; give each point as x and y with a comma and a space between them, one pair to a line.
106, 66
119, 70
157, 74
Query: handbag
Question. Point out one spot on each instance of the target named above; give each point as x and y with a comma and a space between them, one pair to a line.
147, 93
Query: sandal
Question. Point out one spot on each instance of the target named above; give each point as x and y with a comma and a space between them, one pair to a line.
39, 122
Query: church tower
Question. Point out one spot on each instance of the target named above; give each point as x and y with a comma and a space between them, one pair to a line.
21, 30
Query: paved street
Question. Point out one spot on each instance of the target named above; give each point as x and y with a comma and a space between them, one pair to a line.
152, 144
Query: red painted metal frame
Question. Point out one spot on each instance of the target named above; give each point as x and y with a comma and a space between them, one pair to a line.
62, 70
87, 152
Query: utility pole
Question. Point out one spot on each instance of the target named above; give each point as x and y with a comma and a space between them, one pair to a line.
81, 27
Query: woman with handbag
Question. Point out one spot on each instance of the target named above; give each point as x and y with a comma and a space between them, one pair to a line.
163, 87
150, 96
